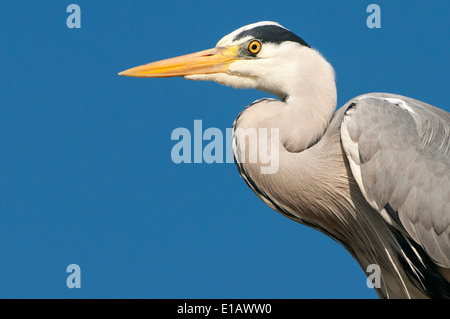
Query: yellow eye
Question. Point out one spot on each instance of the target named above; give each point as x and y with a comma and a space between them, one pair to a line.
254, 47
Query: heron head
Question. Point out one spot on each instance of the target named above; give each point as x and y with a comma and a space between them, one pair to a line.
262, 55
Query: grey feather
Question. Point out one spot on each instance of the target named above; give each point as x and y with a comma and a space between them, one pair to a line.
405, 163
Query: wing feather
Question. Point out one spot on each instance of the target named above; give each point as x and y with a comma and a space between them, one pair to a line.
399, 153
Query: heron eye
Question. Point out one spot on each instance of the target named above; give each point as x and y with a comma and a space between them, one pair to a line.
254, 47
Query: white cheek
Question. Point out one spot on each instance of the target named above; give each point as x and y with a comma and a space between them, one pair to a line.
225, 79
256, 70
199, 77
266, 74
243, 68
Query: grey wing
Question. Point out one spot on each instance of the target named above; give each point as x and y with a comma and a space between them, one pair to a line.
399, 153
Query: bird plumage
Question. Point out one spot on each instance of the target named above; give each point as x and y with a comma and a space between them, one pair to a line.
373, 175
316, 187
403, 164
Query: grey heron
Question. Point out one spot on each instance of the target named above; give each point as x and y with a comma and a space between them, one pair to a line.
373, 175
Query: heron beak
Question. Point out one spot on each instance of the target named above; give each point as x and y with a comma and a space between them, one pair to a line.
216, 60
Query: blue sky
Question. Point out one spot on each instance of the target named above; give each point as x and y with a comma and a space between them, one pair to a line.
86, 175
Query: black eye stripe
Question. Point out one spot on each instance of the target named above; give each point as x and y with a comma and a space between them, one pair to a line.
272, 34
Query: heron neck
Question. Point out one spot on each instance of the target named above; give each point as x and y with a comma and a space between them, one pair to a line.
304, 122
307, 110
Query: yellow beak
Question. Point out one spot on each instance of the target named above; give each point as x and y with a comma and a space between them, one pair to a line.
216, 60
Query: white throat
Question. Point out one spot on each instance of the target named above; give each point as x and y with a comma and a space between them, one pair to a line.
308, 90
